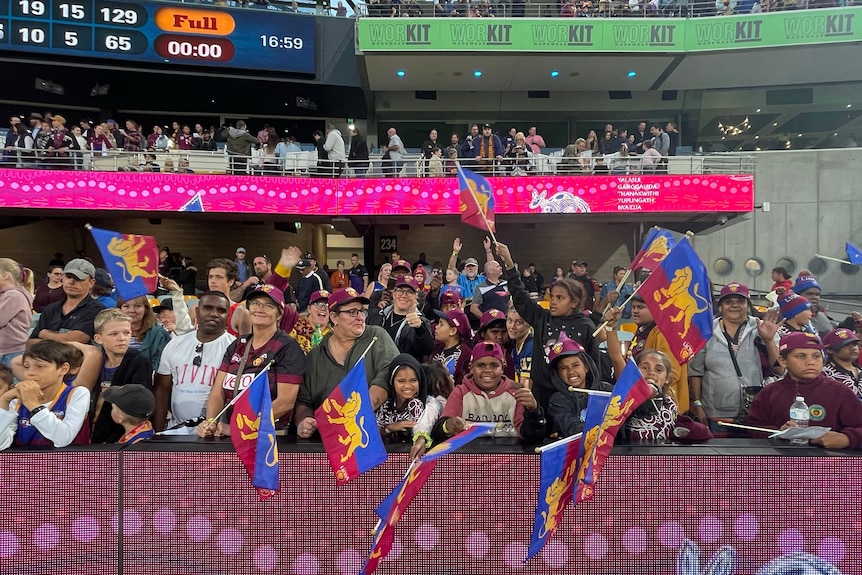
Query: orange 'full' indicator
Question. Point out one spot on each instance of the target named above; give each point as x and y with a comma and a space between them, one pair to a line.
192, 21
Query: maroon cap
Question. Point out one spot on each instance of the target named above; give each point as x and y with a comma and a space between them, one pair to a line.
319, 295
402, 264
488, 349
345, 296
689, 430
450, 298
562, 348
734, 288
267, 290
799, 340
490, 317
458, 319
407, 281
838, 338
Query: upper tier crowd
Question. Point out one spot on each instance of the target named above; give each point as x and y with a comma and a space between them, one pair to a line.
445, 345
47, 143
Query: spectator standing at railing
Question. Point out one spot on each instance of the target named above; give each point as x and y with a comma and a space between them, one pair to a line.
35, 124
488, 150
334, 146
650, 158
641, 135
205, 142
520, 157
132, 137
455, 144
9, 155
263, 135
358, 158
20, 148
185, 140
153, 137
82, 147
428, 150
269, 154
60, 145
239, 143
661, 143
467, 150
535, 141
568, 9
673, 135
116, 134
393, 154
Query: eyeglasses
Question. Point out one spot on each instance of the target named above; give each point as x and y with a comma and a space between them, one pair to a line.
354, 312
261, 304
321, 303
403, 291
199, 350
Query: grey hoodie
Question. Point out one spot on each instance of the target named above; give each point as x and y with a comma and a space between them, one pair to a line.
16, 316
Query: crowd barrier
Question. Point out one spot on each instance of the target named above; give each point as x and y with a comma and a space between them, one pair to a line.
306, 163
170, 508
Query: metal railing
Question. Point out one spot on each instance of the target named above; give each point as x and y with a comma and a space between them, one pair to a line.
411, 165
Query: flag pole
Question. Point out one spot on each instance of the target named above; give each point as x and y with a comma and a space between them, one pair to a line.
236, 397
367, 349
563, 441
591, 391
833, 259
628, 299
749, 427
406, 473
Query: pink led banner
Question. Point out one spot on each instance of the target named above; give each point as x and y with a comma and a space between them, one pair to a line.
353, 197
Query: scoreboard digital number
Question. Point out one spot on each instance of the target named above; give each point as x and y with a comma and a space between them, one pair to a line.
160, 33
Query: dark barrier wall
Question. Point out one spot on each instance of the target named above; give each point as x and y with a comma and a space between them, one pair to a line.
190, 510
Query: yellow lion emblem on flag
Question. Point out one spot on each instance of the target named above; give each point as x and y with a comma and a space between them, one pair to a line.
128, 251
356, 436
680, 295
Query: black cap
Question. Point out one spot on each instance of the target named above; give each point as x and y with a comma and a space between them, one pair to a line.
134, 399
486, 126
167, 303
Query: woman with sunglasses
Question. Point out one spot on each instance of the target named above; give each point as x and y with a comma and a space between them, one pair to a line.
340, 350
313, 323
250, 354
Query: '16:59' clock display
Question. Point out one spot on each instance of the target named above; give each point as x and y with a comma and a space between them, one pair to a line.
160, 33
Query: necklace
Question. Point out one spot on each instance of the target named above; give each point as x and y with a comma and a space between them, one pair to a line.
392, 322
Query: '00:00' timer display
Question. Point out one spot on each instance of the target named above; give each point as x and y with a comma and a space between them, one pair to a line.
158, 33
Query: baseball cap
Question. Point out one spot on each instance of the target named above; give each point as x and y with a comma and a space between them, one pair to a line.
267, 290
792, 305
402, 264
838, 338
310, 256
490, 317
167, 303
563, 348
457, 319
579, 263
319, 295
103, 278
240, 250
345, 296
134, 399
799, 340
488, 349
407, 281
690, 431
450, 298
734, 288
471, 262
80, 268
36, 116
486, 126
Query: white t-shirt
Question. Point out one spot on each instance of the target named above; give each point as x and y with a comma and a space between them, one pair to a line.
191, 383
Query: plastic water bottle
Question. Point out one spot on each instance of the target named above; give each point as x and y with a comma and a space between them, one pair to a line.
799, 416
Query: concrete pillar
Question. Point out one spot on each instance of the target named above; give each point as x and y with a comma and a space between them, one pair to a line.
318, 243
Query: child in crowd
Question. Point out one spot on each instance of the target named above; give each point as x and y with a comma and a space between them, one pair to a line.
120, 366
133, 405
408, 391
452, 350
571, 367
832, 404
492, 327
564, 314
6, 379
440, 384
842, 347
521, 335
42, 409
797, 313
486, 395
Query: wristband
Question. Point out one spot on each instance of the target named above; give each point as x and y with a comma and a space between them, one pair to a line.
424, 435
609, 328
454, 253
446, 431
36, 410
697, 403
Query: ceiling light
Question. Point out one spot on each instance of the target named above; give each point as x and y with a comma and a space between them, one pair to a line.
478, 73
554, 73
757, 110
632, 74
400, 73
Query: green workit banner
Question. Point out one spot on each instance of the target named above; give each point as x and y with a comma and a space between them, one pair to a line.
611, 34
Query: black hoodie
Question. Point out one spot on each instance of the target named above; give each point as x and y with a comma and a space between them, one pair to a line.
391, 404
566, 409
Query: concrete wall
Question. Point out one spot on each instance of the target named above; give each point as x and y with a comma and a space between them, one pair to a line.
815, 206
